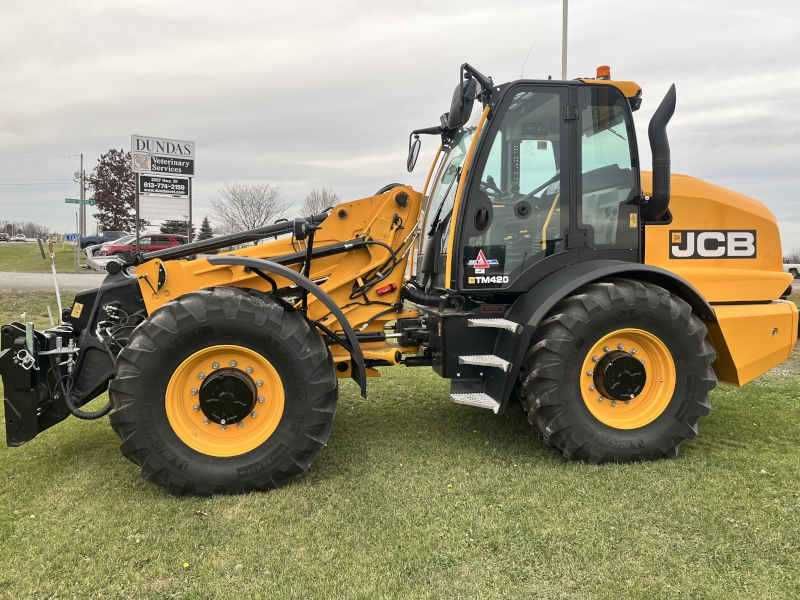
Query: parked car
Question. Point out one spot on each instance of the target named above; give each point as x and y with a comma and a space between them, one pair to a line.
790, 267
105, 236
20, 237
4, 237
147, 243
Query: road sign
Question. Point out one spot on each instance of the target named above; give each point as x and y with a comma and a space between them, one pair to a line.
71, 236
160, 156
163, 186
79, 201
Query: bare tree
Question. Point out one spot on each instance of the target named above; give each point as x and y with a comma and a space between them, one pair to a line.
793, 256
29, 229
243, 206
318, 201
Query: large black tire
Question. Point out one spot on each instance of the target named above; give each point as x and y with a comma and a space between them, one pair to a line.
550, 383
194, 322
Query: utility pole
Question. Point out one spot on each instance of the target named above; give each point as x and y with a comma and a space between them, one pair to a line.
564, 43
83, 196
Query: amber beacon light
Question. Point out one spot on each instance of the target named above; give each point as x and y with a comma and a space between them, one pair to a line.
604, 72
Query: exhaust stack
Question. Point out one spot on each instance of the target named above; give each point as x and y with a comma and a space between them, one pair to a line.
662, 164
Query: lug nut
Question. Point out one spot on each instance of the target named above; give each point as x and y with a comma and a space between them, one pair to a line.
259, 383
591, 388
234, 363
261, 399
249, 369
222, 421
595, 359
201, 375
215, 365
613, 404
627, 401
590, 373
206, 421
620, 346
599, 398
254, 414
606, 349
222, 427
240, 424
194, 391
633, 350
196, 408
644, 364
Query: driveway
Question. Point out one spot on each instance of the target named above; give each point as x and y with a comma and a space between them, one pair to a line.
44, 281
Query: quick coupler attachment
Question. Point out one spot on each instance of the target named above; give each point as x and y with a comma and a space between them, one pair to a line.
31, 364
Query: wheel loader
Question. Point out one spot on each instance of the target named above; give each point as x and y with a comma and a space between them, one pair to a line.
538, 265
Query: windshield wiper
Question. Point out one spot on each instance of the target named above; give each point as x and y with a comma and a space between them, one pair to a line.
435, 223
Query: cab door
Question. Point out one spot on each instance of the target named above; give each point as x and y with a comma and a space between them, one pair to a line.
517, 209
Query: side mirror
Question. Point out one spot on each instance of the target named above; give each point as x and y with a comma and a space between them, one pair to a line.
413, 154
461, 106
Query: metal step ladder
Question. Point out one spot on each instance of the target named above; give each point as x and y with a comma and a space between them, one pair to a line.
486, 360
478, 399
496, 324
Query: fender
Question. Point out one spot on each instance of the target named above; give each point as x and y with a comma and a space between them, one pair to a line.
359, 370
531, 307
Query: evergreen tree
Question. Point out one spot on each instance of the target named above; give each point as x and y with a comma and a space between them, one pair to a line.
206, 233
177, 228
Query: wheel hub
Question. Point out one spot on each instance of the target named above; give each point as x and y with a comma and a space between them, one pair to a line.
227, 396
620, 376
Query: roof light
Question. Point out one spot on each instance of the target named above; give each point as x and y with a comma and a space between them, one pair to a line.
604, 72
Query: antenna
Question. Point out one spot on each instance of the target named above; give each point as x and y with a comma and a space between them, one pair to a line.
522, 73
564, 43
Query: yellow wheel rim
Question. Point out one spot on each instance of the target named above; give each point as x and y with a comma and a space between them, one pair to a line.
193, 426
654, 397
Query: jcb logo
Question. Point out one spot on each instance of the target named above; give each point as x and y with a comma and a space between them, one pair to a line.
712, 244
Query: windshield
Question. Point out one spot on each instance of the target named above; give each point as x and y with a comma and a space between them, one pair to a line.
441, 202
127, 239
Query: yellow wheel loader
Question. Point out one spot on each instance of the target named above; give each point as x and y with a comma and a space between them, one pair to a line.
539, 264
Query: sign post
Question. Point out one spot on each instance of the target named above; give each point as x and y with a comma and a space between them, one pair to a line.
164, 170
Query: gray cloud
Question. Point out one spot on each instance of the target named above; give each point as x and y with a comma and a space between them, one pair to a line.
324, 93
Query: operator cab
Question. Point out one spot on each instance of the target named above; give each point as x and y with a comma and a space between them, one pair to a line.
542, 175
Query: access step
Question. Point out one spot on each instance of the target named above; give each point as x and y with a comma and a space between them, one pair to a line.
486, 360
496, 324
476, 399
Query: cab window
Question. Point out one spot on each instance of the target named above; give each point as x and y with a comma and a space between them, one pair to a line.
608, 169
518, 205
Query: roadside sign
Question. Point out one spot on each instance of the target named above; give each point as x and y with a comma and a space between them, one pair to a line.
164, 169
71, 236
163, 186
79, 201
161, 156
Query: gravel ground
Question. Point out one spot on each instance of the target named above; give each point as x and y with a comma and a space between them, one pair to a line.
44, 281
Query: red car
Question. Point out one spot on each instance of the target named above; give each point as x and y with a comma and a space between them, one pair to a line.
147, 243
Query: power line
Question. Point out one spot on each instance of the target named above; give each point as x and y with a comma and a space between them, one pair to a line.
44, 156
41, 183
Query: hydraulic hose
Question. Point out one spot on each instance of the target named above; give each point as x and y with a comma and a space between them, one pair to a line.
81, 414
418, 296
86, 416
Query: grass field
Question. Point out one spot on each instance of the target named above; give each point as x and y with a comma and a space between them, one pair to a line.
27, 257
416, 497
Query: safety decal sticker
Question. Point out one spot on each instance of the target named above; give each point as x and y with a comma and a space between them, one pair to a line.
723, 243
484, 267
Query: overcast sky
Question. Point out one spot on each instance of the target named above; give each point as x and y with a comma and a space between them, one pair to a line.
304, 94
